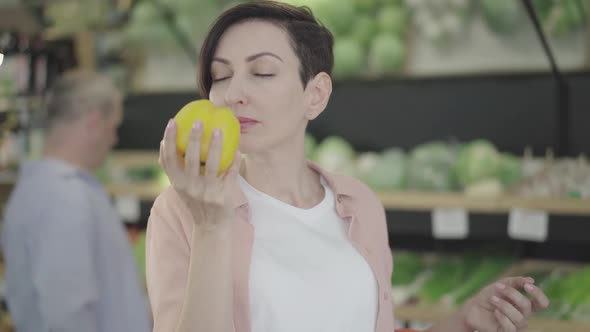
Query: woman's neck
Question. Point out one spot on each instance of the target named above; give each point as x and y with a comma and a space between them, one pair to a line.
285, 176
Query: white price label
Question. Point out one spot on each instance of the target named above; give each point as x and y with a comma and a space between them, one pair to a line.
129, 208
450, 223
530, 225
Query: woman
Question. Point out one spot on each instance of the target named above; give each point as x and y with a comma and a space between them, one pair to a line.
277, 244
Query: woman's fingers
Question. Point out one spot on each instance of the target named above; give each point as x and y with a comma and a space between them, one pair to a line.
234, 169
516, 317
505, 322
513, 296
170, 154
214, 155
540, 301
192, 157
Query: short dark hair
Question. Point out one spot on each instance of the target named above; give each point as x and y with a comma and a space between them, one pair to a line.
311, 41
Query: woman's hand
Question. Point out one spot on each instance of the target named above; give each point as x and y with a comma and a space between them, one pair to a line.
206, 194
501, 307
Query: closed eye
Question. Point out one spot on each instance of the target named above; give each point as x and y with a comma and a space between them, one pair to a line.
264, 75
221, 79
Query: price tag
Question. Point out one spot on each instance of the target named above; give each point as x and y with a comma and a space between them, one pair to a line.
450, 223
530, 225
128, 207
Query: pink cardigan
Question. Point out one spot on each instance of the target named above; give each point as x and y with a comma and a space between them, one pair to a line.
168, 250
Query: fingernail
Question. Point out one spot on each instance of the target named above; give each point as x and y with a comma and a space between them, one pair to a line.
495, 299
197, 125
531, 280
500, 286
216, 132
170, 123
529, 287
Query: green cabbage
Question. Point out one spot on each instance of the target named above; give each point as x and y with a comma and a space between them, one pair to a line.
349, 58
382, 172
478, 160
430, 167
386, 54
335, 154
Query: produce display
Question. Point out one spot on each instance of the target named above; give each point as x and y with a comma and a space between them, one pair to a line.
440, 21
447, 281
370, 35
561, 17
569, 293
373, 37
147, 25
476, 168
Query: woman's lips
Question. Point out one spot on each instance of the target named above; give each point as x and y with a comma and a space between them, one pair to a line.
246, 123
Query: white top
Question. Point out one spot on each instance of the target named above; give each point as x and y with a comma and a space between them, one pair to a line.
305, 275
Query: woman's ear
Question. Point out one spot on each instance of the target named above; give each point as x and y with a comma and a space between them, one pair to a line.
320, 90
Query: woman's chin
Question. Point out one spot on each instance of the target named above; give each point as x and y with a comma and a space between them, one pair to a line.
251, 146
247, 147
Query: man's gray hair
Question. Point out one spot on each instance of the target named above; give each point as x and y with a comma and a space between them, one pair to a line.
77, 92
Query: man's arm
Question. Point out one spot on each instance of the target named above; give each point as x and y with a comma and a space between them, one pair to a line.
63, 258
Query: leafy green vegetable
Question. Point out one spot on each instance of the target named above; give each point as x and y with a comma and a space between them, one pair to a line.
363, 29
509, 169
447, 274
349, 58
502, 16
477, 161
486, 271
392, 19
430, 167
335, 154
386, 54
406, 267
382, 172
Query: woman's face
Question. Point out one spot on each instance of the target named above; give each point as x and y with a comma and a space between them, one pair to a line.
256, 73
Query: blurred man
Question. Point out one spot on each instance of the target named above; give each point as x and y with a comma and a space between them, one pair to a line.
69, 265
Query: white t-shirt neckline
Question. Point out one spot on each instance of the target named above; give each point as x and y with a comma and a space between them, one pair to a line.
303, 213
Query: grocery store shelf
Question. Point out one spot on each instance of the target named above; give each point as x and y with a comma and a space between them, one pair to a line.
143, 191
415, 201
412, 310
410, 201
437, 313
500, 204
131, 158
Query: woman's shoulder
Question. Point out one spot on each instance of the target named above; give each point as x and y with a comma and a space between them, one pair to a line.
350, 186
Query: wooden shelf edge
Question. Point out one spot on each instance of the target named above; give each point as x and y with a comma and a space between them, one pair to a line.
131, 158
417, 201
142, 191
498, 204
